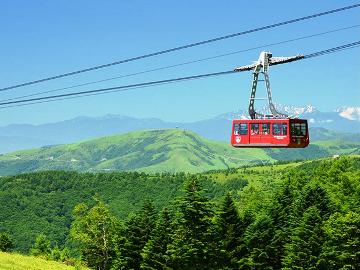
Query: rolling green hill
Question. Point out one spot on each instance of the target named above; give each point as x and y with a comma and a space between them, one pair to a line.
170, 150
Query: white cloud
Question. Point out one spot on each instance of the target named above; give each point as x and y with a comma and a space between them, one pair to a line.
351, 113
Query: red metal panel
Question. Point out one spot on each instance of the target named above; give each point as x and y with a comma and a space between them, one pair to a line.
285, 133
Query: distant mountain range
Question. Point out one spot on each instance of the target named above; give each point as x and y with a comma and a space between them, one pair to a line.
24, 136
166, 150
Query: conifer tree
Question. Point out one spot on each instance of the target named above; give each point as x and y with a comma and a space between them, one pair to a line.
258, 237
306, 242
342, 246
315, 195
148, 218
133, 237
154, 253
128, 244
229, 233
281, 212
191, 246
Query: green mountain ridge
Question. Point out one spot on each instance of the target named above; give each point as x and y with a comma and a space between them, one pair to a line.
165, 150
170, 150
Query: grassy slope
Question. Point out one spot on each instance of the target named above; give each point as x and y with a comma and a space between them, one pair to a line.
171, 150
150, 151
13, 261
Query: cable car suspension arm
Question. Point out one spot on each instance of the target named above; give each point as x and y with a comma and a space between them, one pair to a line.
262, 66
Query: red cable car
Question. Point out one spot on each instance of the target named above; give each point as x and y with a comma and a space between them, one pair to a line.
288, 133
275, 130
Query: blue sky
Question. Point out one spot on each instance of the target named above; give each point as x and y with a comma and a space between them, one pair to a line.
45, 38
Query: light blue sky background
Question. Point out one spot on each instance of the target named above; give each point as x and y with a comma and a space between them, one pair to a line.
45, 38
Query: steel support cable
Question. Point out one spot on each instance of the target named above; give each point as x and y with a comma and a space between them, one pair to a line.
32, 101
345, 46
181, 64
184, 46
121, 87
87, 95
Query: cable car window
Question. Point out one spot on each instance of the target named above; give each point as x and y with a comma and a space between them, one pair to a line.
254, 129
284, 128
297, 130
266, 128
243, 129
236, 129
276, 129
303, 129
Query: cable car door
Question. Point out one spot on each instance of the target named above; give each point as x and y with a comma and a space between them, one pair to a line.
265, 133
255, 136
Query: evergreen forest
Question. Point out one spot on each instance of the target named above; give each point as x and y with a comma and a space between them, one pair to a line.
298, 215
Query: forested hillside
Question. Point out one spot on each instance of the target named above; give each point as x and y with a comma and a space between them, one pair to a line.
304, 214
167, 150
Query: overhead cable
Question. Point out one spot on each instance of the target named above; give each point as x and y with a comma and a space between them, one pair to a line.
339, 48
154, 83
120, 87
184, 46
180, 64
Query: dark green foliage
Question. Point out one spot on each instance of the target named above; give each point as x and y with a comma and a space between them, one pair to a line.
45, 200
229, 234
128, 245
94, 229
342, 246
191, 246
306, 242
292, 216
257, 239
5, 242
282, 215
154, 253
315, 195
133, 238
